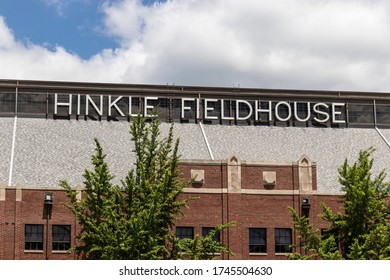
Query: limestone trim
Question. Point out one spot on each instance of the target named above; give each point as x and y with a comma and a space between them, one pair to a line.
234, 174
305, 167
243, 162
260, 192
202, 162
38, 188
2, 191
197, 175
205, 191
79, 189
19, 192
267, 163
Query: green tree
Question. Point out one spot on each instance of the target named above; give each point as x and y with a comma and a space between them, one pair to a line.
135, 220
361, 230
202, 248
97, 212
311, 245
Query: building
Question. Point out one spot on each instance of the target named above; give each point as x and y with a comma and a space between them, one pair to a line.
254, 152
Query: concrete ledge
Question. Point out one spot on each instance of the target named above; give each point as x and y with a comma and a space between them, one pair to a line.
243, 162
259, 192
190, 190
204, 190
267, 163
202, 162
27, 187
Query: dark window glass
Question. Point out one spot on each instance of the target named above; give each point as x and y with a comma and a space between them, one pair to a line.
283, 240
383, 114
33, 237
60, 237
257, 240
7, 102
360, 113
184, 232
32, 103
206, 231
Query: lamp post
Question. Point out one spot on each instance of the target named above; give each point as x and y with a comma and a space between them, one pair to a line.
305, 211
306, 206
48, 202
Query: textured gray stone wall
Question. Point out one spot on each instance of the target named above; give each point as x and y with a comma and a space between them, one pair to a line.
47, 151
326, 146
6, 129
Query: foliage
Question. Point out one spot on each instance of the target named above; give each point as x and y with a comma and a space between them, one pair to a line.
202, 248
362, 230
313, 245
97, 211
135, 220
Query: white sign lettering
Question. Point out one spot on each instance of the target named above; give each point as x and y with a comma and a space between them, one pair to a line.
208, 108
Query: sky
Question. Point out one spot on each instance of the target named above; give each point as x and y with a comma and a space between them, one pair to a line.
289, 44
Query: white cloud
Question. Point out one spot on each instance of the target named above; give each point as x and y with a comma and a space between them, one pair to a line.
323, 44
7, 39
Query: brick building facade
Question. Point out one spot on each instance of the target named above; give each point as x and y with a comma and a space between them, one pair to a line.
255, 195
253, 153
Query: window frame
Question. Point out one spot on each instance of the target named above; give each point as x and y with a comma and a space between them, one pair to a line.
64, 239
257, 247
283, 246
33, 237
184, 235
206, 231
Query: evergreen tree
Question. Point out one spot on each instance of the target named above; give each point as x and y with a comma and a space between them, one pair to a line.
136, 220
362, 230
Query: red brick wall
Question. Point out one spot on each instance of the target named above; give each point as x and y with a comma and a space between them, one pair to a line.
31, 210
252, 177
2, 226
265, 208
8, 225
214, 174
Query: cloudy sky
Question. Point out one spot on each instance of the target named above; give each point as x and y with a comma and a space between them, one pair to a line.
295, 44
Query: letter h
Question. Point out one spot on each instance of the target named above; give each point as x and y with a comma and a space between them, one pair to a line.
56, 104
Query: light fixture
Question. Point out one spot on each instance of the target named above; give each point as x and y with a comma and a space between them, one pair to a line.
305, 203
48, 198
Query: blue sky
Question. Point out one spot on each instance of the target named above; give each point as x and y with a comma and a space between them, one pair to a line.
75, 26
296, 44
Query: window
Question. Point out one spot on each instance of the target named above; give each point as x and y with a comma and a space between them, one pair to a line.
257, 240
60, 238
327, 233
33, 237
283, 240
185, 232
206, 231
